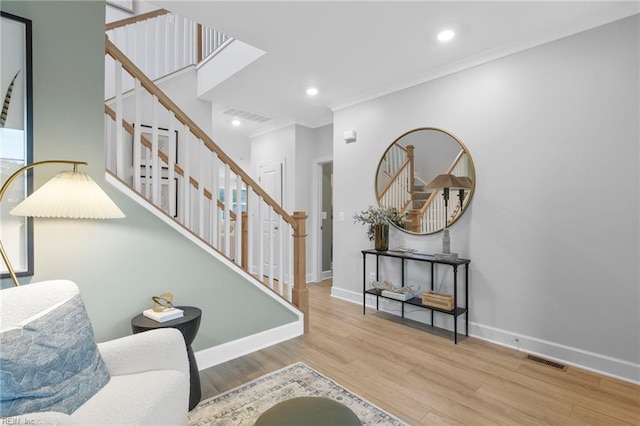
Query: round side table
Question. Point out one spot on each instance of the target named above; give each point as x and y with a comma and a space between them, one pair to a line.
188, 325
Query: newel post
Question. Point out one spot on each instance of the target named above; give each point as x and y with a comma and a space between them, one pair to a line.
300, 292
414, 220
410, 156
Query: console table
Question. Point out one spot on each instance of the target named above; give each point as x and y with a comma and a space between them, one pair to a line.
416, 301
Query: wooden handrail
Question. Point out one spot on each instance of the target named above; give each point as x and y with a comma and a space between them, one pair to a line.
400, 146
134, 19
393, 178
183, 118
164, 157
456, 161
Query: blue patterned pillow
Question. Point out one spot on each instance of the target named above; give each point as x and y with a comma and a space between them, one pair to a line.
52, 363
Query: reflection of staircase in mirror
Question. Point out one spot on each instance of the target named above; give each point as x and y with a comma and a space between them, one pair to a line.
420, 194
400, 186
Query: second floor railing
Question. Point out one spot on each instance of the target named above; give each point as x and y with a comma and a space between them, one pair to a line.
161, 43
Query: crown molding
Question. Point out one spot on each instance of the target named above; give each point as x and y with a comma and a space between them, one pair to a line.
629, 9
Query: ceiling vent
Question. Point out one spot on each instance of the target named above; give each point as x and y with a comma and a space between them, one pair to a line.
244, 115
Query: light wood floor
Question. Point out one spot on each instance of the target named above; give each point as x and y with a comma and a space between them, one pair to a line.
423, 378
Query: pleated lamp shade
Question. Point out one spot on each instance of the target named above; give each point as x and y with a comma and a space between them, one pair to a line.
448, 181
71, 195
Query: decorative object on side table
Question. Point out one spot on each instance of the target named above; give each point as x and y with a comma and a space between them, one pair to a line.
438, 300
163, 309
378, 220
393, 292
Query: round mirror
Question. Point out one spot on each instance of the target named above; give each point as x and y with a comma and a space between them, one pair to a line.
427, 174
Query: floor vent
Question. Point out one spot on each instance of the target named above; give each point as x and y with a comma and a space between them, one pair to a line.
547, 362
237, 113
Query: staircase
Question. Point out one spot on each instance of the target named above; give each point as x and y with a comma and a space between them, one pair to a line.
401, 187
420, 194
150, 139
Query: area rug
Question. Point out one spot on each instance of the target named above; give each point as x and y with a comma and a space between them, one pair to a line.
244, 404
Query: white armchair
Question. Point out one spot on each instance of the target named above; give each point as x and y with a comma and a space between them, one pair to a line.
148, 381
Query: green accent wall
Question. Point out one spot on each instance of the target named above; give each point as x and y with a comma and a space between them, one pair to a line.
118, 264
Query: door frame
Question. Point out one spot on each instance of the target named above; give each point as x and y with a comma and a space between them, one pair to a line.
316, 207
283, 196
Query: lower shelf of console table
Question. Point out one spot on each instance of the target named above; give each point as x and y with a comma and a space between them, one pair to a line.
416, 301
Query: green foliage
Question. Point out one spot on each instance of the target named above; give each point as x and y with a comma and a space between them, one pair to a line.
379, 216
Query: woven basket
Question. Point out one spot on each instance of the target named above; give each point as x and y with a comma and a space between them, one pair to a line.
438, 300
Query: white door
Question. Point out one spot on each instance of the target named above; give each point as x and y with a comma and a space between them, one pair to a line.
270, 179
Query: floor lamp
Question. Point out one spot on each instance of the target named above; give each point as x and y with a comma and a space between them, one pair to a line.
70, 194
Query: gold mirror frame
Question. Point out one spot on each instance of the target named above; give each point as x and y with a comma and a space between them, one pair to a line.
402, 160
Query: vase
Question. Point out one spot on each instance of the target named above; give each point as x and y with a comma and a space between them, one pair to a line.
381, 235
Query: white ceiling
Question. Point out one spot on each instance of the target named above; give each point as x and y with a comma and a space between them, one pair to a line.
356, 50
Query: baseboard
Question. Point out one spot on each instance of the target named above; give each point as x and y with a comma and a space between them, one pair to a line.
591, 361
326, 274
230, 350
598, 363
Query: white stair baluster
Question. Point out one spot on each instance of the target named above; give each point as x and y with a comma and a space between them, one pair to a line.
281, 262
186, 182
238, 235
261, 230
172, 146
290, 261
251, 202
215, 194
202, 155
227, 210
271, 247
137, 133
119, 128
154, 172
108, 144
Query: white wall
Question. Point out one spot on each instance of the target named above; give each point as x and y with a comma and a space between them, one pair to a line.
139, 7
553, 230
278, 145
323, 141
298, 145
118, 264
303, 168
233, 142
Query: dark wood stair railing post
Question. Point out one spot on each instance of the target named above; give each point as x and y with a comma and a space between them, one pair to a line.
300, 291
414, 220
199, 43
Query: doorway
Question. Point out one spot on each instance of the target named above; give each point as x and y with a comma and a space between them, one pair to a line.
270, 179
326, 228
323, 219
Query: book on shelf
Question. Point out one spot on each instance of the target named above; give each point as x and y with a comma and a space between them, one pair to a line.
397, 296
166, 315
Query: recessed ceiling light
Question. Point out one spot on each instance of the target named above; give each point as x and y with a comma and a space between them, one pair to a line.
236, 122
312, 91
446, 35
